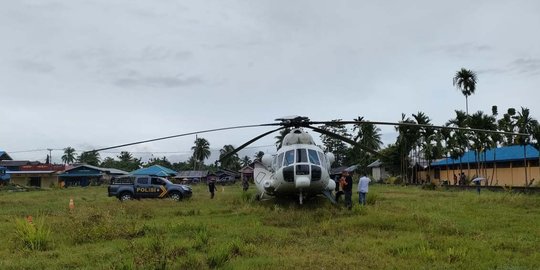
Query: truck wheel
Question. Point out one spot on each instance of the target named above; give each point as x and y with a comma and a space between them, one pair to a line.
126, 196
175, 196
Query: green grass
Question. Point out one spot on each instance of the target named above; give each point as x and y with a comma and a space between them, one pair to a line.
401, 228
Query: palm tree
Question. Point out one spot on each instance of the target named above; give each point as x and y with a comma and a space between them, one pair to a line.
90, 158
465, 80
258, 156
525, 124
405, 143
368, 136
246, 161
201, 151
482, 141
232, 162
69, 155
507, 124
460, 139
336, 146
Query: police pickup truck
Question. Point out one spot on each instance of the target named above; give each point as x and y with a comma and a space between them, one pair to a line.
144, 186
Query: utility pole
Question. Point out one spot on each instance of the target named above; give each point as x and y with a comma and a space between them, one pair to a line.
50, 155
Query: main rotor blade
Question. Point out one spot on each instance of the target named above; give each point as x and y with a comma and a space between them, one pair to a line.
248, 143
416, 125
181, 135
345, 139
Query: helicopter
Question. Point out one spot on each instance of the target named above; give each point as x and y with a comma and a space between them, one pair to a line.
300, 167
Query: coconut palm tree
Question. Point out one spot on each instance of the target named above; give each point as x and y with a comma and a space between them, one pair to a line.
465, 80
460, 138
424, 137
232, 162
201, 151
508, 124
246, 161
482, 141
368, 136
525, 124
69, 155
258, 156
90, 158
405, 143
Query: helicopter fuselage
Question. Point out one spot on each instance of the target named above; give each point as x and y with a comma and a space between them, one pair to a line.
297, 168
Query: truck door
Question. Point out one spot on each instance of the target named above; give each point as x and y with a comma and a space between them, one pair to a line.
159, 187
142, 187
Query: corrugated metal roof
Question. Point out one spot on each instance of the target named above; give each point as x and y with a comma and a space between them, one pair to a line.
30, 172
115, 171
156, 170
191, 174
376, 163
4, 155
501, 154
11, 163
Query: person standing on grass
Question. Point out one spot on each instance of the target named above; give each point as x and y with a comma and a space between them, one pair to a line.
341, 184
212, 187
363, 187
347, 190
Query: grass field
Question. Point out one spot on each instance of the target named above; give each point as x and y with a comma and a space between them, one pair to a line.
403, 228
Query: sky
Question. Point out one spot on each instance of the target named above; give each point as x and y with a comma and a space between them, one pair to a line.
96, 73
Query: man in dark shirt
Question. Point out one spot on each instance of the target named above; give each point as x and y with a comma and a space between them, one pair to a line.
347, 190
212, 187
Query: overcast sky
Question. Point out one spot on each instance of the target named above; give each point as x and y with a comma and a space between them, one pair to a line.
96, 73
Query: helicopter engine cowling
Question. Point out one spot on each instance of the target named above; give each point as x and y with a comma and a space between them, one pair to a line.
267, 160
330, 157
331, 185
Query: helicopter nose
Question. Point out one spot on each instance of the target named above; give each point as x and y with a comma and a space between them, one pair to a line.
301, 181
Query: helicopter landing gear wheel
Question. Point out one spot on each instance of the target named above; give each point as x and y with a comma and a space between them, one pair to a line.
301, 198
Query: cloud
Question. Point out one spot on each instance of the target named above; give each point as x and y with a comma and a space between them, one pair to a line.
463, 49
526, 66
34, 66
158, 81
492, 71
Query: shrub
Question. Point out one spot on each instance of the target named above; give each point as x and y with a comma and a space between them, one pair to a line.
89, 225
33, 235
372, 198
429, 186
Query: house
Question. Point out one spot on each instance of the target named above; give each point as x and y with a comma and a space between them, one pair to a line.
500, 166
155, 170
378, 170
4, 156
191, 177
246, 173
32, 173
15, 165
41, 179
4, 177
227, 176
84, 175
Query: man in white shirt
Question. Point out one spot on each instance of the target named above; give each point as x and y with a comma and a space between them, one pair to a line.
363, 186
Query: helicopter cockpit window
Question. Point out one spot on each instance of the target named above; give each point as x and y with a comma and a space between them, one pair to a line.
289, 158
322, 158
313, 157
280, 160
301, 155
